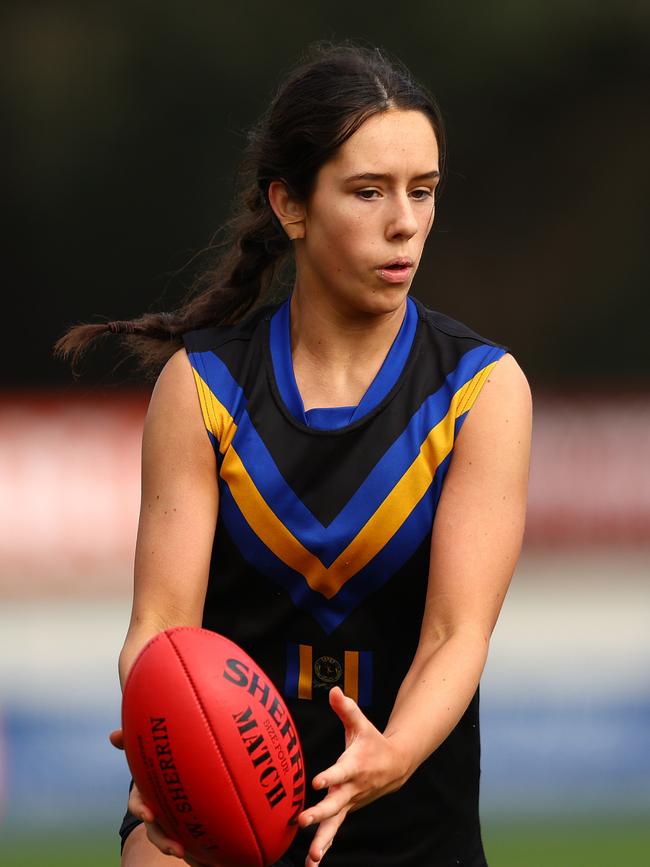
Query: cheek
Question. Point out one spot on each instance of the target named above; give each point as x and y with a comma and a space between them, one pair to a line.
344, 236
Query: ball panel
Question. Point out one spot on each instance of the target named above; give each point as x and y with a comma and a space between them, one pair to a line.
209, 740
177, 764
255, 731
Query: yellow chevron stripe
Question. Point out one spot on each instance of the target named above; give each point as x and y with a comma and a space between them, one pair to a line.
410, 489
216, 417
379, 528
475, 386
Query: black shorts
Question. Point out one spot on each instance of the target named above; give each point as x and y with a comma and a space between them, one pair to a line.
129, 822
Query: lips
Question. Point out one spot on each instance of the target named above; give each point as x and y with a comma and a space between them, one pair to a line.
398, 263
396, 271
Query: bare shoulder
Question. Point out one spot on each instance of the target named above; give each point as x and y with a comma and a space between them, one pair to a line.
504, 406
174, 415
174, 389
492, 449
507, 386
177, 454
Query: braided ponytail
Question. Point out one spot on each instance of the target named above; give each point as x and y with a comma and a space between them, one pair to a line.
323, 102
224, 294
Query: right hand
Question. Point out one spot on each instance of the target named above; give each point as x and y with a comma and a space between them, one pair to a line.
154, 832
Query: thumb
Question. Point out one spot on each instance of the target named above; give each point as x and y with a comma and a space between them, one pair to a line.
117, 739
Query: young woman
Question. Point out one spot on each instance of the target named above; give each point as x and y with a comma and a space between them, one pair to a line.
337, 481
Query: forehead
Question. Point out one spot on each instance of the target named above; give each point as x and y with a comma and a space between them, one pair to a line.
391, 141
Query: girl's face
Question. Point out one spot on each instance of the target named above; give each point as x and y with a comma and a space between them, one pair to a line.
354, 225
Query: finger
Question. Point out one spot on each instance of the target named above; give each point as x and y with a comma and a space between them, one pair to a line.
337, 800
138, 807
336, 775
117, 739
323, 839
346, 708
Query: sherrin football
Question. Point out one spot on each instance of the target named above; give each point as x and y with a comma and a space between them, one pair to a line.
213, 749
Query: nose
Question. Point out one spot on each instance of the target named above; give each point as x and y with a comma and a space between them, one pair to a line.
402, 220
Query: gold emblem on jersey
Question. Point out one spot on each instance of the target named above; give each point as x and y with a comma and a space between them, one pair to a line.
328, 670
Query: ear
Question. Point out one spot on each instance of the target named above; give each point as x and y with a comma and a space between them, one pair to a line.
289, 211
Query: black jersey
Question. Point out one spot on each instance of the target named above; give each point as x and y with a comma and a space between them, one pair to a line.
321, 554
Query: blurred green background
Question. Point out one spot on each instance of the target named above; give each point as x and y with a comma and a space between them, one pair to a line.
122, 126
555, 845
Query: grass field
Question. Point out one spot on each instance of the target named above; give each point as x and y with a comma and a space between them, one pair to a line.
602, 844
624, 844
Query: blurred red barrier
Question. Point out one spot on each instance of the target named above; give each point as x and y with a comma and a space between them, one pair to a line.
69, 490
590, 471
70, 483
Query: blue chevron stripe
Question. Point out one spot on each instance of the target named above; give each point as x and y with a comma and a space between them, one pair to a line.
392, 556
331, 613
327, 542
215, 373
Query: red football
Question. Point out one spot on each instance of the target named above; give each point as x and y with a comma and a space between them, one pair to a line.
213, 749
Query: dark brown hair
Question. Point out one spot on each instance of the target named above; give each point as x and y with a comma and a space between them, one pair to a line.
322, 102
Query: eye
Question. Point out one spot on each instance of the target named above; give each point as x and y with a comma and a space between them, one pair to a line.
420, 195
428, 194
361, 195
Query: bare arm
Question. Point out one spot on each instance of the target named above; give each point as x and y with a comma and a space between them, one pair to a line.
475, 544
178, 512
178, 515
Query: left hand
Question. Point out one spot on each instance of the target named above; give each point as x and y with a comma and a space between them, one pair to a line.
370, 767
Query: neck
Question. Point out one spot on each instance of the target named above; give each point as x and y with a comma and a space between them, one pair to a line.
336, 356
322, 331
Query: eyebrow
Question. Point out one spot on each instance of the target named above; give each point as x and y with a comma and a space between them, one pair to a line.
373, 176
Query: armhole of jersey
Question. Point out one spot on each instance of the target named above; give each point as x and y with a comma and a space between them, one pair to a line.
211, 417
467, 395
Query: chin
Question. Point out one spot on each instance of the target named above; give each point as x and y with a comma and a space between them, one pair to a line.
386, 299
377, 300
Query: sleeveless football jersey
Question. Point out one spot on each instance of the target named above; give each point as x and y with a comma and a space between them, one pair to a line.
321, 554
